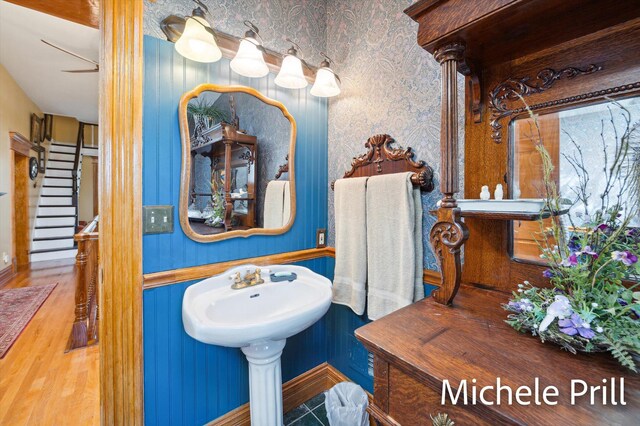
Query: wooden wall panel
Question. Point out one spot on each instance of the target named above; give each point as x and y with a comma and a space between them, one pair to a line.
120, 212
167, 76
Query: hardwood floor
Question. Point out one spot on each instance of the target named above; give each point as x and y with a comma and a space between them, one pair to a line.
39, 383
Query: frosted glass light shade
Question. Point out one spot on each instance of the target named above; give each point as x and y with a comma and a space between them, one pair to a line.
196, 43
249, 61
291, 75
325, 85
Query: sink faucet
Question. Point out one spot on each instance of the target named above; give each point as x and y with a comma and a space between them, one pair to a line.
250, 279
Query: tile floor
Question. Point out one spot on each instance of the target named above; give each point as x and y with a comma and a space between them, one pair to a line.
311, 413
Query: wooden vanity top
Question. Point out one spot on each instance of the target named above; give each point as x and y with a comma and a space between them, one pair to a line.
432, 342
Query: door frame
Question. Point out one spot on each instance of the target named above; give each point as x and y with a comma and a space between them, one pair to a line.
19, 148
120, 183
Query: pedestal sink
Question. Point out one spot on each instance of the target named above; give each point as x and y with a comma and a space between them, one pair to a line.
258, 320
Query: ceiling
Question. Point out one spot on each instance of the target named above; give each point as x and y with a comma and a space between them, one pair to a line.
37, 67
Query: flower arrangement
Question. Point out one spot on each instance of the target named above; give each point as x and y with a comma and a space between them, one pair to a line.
590, 305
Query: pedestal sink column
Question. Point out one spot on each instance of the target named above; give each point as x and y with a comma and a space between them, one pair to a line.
265, 382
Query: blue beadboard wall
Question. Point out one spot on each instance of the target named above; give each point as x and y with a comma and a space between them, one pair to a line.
187, 382
167, 76
190, 383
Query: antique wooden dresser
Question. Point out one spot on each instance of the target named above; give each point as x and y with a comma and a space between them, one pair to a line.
556, 54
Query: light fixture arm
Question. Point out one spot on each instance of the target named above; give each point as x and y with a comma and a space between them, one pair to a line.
252, 35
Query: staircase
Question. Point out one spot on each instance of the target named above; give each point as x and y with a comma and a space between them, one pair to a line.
56, 217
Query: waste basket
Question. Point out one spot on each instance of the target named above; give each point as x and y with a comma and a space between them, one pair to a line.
346, 405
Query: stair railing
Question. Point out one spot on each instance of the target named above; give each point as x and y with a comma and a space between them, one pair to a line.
75, 186
84, 331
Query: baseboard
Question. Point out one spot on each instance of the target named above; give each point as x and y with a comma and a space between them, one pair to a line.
6, 274
294, 393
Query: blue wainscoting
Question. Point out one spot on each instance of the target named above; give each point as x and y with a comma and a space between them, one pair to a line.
189, 383
167, 76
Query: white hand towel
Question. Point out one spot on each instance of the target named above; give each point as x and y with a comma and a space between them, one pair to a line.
286, 209
394, 244
274, 204
350, 277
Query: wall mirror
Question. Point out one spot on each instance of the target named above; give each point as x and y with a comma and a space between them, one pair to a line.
583, 139
238, 150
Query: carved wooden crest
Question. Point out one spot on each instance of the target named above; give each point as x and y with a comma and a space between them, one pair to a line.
383, 158
514, 89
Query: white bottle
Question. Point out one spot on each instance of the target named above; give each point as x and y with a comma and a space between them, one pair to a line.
498, 194
485, 194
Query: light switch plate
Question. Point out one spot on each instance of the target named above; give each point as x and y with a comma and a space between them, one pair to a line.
321, 238
157, 219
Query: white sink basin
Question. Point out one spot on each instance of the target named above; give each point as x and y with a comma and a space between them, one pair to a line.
213, 313
257, 319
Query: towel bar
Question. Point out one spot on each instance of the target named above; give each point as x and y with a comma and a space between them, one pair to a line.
381, 159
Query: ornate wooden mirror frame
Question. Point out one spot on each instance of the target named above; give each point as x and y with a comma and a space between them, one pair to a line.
186, 164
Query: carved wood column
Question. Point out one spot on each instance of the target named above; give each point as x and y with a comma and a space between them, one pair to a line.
449, 233
120, 208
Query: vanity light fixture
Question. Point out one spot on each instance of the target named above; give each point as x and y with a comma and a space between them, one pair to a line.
327, 81
249, 60
291, 75
198, 41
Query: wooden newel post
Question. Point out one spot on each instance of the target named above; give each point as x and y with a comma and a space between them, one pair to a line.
449, 233
79, 329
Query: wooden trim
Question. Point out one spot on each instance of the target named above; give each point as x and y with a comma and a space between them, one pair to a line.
186, 164
19, 143
7, 274
158, 279
121, 82
84, 12
294, 393
431, 277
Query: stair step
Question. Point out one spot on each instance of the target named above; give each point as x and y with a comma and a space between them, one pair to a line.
56, 201
54, 255
49, 216
51, 250
55, 227
61, 161
57, 177
55, 221
52, 238
55, 186
53, 244
59, 165
54, 232
64, 148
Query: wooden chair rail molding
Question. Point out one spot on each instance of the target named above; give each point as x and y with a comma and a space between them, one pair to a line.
162, 278
158, 279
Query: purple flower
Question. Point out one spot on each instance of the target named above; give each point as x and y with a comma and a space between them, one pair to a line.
603, 227
548, 273
588, 250
574, 243
523, 305
575, 325
570, 261
625, 257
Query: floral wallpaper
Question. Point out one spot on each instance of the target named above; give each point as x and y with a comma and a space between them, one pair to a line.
389, 85
303, 21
